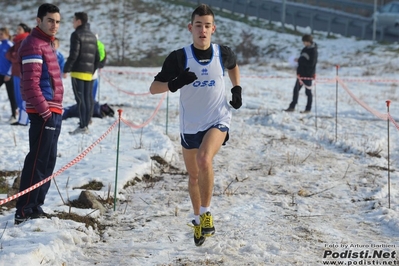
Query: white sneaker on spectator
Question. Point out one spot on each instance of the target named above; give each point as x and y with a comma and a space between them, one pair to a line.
12, 120
79, 130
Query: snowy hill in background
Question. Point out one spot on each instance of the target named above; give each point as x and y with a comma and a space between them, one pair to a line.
147, 30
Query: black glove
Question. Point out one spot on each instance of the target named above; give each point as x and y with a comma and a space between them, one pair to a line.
236, 100
186, 77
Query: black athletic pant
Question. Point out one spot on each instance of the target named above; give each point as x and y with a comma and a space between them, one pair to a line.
10, 93
39, 162
83, 91
297, 88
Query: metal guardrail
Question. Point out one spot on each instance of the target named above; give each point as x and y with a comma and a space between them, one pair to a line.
362, 9
304, 15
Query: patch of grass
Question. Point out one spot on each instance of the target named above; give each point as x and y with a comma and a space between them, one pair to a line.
188, 261
108, 200
78, 204
92, 185
3, 185
392, 49
164, 164
381, 168
9, 173
149, 178
376, 153
132, 182
87, 220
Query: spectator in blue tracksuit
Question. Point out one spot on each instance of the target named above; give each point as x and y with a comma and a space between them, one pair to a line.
5, 72
60, 56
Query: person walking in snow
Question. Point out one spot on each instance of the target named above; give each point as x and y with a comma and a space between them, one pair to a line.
5, 72
43, 91
82, 62
197, 71
306, 72
12, 54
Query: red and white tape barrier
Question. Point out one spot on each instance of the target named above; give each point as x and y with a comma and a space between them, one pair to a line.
62, 169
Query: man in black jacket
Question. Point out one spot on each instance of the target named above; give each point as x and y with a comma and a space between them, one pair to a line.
83, 60
306, 72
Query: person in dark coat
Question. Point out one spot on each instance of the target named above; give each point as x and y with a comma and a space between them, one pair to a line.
43, 92
82, 62
306, 72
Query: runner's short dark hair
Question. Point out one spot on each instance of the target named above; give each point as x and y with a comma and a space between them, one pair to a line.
202, 10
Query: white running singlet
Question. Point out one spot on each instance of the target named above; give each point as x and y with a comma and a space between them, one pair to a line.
203, 103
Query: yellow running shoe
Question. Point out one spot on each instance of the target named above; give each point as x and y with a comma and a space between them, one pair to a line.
207, 227
199, 239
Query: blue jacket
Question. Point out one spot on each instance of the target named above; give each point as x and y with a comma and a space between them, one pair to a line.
61, 60
5, 64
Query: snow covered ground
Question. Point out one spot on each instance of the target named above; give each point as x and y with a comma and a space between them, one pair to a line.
290, 188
